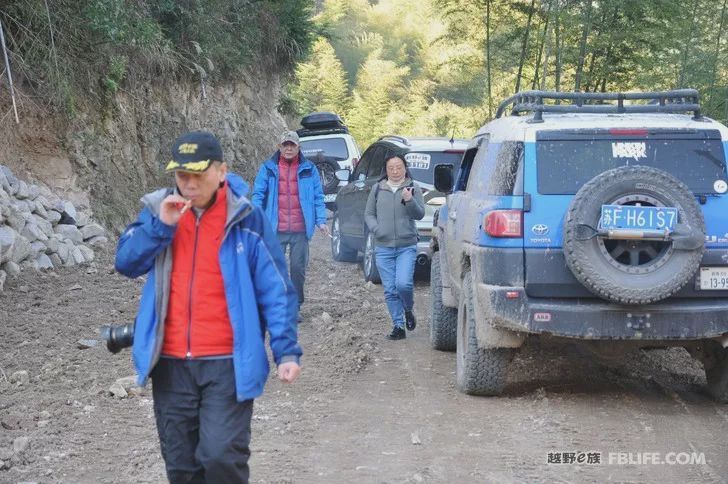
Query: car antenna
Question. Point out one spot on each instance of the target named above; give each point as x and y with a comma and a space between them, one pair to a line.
452, 138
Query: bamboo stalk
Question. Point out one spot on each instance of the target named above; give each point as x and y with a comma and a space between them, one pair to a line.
10, 76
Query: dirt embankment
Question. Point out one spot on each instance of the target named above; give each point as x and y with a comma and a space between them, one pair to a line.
105, 158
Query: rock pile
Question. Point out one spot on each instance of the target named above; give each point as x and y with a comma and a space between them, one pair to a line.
39, 230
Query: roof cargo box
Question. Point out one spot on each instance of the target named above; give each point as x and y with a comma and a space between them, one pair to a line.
322, 120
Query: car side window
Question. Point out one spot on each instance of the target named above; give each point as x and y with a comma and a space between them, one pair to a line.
496, 169
471, 165
377, 164
363, 164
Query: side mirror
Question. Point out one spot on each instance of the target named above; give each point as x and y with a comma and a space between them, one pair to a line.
444, 177
343, 174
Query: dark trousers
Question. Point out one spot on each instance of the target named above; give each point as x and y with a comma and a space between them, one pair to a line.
298, 243
204, 432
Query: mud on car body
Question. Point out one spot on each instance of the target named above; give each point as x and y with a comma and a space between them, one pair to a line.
603, 223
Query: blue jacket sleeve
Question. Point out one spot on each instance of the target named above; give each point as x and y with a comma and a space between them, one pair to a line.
274, 292
260, 187
318, 198
141, 243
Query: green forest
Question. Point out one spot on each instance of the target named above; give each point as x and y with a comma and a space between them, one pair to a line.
440, 67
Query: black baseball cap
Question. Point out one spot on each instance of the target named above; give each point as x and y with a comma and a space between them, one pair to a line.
194, 152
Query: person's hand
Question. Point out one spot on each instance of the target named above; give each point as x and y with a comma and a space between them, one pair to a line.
324, 229
288, 372
172, 209
407, 193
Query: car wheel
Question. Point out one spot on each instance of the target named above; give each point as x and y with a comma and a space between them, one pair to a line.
369, 263
443, 324
339, 250
633, 271
480, 371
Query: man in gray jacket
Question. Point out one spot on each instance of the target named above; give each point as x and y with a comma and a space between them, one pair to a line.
394, 204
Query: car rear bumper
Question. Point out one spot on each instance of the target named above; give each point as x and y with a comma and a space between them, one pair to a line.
594, 319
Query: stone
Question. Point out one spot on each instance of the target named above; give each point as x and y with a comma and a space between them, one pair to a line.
92, 230
44, 202
70, 209
127, 382
7, 241
99, 241
52, 245
37, 248
3, 194
33, 191
11, 268
32, 232
64, 252
21, 444
14, 218
43, 224
40, 210
70, 232
88, 253
20, 250
118, 391
84, 344
5, 453
8, 174
82, 220
21, 205
23, 191
43, 263
54, 217
4, 183
20, 377
3, 278
77, 255
57, 262
326, 319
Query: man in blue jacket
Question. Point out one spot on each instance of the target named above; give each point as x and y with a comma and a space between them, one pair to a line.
216, 283
288, 189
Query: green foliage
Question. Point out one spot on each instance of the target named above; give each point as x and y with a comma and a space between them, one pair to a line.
321, 83
76, 45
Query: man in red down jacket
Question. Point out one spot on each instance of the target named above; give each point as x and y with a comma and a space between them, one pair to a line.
216, 284
288, 189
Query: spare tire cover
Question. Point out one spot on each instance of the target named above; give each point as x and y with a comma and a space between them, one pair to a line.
632, 271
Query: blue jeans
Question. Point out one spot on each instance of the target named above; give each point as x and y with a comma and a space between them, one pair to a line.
396, 268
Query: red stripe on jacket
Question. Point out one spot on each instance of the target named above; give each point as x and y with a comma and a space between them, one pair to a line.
290, 215
197, 321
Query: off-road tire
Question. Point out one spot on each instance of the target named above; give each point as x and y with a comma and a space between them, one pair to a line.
480, 371
444, 321
369, 261
327, 172
717, 377
339, 249
590, 263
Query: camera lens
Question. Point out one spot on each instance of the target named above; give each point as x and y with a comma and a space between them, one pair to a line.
117, 337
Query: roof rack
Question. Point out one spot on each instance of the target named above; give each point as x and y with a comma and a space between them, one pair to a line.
320, 131
676, 101
395, 137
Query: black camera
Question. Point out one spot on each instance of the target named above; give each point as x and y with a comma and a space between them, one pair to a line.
118, 337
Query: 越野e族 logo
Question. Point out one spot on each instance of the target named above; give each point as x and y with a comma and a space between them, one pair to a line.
540, 229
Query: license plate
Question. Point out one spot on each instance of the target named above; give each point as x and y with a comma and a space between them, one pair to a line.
633, 217
331, 197
714, 278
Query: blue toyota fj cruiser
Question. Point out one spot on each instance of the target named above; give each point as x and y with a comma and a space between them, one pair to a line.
601, 217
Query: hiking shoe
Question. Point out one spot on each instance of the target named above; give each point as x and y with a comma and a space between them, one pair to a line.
410, 321
397, 333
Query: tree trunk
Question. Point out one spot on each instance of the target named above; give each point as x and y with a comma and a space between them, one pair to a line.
686, 46
544, 38
582, 45
487, 57
524, 46
557, 40
716, 56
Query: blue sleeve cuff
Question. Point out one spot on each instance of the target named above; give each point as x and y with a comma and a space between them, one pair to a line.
290, 358
162, 229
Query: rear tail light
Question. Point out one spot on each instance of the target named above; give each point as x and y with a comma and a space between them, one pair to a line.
628, 132
504, 223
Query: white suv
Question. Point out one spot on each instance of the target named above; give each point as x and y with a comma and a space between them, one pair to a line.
325, 140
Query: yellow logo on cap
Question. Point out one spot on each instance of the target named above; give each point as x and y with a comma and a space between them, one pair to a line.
187, 149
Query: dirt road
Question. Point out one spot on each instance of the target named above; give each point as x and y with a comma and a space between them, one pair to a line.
364, 410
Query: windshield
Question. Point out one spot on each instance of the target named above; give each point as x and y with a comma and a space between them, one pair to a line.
422, 164
332, 148
565, 165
